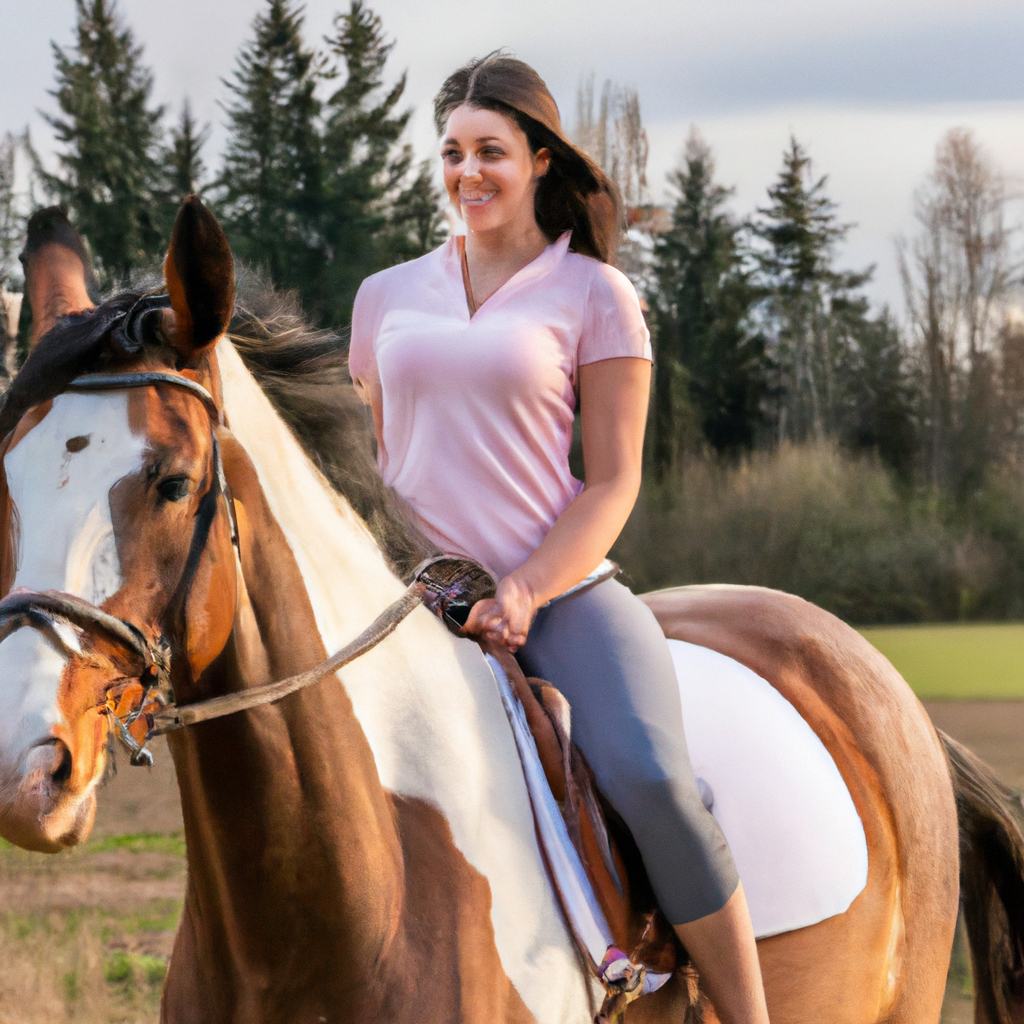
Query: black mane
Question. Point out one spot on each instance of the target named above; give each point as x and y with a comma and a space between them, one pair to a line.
303, 370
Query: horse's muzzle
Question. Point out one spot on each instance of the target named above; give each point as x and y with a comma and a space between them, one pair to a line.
38, 810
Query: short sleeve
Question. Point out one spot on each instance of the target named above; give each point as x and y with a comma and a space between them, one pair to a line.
362, 359
613, 323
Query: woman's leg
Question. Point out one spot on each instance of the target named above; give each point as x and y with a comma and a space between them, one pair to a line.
723, 948
604, 650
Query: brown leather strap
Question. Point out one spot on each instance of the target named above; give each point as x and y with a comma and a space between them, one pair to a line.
177, 716
460, 242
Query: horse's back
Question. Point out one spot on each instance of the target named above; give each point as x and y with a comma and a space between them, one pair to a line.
886, 957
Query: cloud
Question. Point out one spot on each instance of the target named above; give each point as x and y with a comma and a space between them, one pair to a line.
977, 61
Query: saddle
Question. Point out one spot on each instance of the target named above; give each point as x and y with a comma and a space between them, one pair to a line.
644, 951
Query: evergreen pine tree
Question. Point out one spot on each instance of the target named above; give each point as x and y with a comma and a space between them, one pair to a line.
109, 171
368, 205
187, 170
811, 312
271, 196
877, 398
415, 223
708, 363
318, 191
184, 169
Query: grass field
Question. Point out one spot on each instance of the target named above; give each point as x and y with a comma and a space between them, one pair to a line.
956, 662
85, 935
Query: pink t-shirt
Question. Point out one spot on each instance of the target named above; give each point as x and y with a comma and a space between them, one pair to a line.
478, 413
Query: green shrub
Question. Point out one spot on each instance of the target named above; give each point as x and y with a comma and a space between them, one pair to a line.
117, 969
836, 530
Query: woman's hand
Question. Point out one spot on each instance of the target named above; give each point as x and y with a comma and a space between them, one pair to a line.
506, 618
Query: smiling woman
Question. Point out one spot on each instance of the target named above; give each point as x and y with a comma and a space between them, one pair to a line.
475, 360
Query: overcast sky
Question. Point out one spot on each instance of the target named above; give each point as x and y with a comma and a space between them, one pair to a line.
869, 87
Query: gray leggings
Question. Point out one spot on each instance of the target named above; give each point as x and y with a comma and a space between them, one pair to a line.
606, 653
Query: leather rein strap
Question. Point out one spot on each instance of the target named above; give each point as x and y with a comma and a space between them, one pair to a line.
174, 717
447, 585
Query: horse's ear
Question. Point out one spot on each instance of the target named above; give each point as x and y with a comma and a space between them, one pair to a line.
59, 275
200, 277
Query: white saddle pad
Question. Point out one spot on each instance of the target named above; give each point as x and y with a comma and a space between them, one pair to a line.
796, 838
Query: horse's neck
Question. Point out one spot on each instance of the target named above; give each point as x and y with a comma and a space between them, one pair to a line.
415, 744
343, 569
286, 819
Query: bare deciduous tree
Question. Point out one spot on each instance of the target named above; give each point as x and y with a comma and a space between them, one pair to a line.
10, 239
610, 128
10, 226
614, 135
956, 276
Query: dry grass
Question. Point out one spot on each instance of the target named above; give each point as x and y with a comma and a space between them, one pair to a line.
91, 964
85, 937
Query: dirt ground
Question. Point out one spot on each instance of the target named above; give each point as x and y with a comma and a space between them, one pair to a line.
85, 936
993, 729
140, 799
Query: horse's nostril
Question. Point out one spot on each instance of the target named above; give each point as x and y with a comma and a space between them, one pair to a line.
61, 771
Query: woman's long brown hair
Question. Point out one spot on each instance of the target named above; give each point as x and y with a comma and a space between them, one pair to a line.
575, 194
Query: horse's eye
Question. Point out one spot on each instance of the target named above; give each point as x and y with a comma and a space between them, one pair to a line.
174, 488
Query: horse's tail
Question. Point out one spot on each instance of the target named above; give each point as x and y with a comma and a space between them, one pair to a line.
991, 819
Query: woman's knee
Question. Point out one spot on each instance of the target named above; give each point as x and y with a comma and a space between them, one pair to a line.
644, 791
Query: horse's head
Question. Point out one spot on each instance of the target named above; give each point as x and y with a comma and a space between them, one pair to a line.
110, 493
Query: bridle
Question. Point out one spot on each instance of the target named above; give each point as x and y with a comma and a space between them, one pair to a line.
446, 585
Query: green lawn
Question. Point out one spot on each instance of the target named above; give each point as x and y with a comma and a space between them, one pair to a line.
956, 662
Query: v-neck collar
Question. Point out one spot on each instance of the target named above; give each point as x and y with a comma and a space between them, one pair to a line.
537, 268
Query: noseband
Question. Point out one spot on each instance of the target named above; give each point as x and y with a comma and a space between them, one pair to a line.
448, 586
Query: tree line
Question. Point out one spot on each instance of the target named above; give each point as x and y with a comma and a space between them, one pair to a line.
764, 339
315, 183
761, 338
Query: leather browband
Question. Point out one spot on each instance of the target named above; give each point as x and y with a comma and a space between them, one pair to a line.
124, 381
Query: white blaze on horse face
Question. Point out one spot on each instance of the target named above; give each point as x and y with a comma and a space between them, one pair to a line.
66, 542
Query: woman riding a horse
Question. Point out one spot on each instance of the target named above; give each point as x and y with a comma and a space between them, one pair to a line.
474, 360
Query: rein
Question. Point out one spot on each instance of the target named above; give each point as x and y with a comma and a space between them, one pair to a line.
173, 717
39, 608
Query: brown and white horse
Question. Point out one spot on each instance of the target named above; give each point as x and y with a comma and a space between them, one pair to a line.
364, 850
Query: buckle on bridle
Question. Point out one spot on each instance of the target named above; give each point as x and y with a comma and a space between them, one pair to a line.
157, 693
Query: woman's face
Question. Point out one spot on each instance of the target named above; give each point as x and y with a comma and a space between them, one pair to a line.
489, 172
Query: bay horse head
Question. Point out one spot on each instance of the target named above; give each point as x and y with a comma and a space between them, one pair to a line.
116, 553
